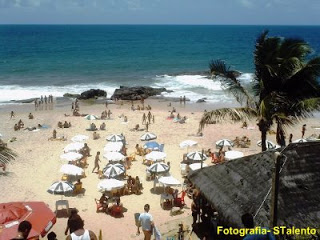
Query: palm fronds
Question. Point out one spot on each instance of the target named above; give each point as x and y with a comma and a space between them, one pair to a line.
230, 82
6, 155
234, 114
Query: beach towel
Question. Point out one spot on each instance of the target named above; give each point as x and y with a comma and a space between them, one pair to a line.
157, 233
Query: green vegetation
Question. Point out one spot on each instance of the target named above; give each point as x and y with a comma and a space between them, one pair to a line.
285, 89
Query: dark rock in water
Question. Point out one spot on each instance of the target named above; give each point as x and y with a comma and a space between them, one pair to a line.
29, 100
93, 93
136, 93
201, 100
71, 95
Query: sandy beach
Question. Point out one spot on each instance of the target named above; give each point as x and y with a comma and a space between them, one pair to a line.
38, 162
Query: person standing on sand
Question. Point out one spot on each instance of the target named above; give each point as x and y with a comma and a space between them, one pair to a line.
144, 118
96, 162
12, 115
54, 134
303, 129
149, 117
146, 223
184, 100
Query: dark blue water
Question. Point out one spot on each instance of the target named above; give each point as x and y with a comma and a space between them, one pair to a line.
65, 55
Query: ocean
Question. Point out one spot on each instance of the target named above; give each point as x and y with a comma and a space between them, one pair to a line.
55, 59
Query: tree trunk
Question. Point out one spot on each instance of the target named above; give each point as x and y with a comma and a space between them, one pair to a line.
263, 127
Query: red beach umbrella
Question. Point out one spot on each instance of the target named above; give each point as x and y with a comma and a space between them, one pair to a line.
37, 213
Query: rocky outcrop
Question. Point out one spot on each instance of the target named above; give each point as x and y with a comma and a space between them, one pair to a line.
136, 93
93, 93
71, 95
201, 100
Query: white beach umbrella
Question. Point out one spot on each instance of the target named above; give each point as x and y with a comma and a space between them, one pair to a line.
70, 169
110, 184
73, 147
113, 170
196, 166
196, 156
229, 155
158, 168
269, 144
188, 143
91, 117
169, 181
156, 156
224, 143
113, 147
148, 136
115, 138
71, 156
114, 156
61, 187
79, 138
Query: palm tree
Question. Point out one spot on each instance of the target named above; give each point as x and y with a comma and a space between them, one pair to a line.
285, 88
6, 155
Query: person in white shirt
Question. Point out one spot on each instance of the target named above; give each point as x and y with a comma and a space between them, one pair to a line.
146, 222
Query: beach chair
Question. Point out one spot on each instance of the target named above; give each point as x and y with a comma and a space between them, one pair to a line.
179, 201
65, 177
63, 204
100, 207
183, 169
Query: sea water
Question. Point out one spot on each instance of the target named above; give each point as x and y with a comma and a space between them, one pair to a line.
55, 59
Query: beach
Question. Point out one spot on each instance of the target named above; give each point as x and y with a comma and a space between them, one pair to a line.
37, 166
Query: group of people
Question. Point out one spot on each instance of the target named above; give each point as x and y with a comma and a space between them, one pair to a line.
183, 99
64, 125
243, 142
104, 202
19, 125
106, 114
133, 108
134, 185
43, 100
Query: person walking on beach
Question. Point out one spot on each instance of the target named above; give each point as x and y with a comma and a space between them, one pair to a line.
12, 115
184, 100
96, 162
303, 129
147, 126
71, 224
109, 114
144, 118
146, 223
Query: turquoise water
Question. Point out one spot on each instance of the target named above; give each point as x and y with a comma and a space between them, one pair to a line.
55, 59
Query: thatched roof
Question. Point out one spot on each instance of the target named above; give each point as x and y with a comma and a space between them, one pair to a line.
242, 185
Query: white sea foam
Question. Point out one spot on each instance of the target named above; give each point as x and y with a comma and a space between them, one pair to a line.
195, 87
16, 92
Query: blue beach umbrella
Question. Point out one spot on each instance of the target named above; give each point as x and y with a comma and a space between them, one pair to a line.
152, 145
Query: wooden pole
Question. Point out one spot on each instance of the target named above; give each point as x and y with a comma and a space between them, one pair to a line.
275, 191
